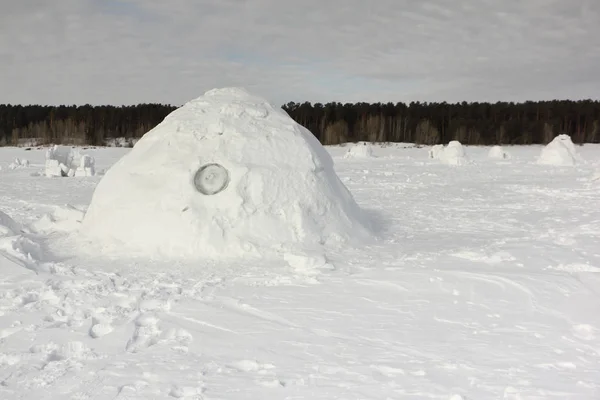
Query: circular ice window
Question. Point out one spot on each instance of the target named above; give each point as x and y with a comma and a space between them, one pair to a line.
211, 179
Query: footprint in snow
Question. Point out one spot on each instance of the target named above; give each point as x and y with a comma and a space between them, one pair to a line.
265, 370
146, 334
100, 329
584, 331
186, 392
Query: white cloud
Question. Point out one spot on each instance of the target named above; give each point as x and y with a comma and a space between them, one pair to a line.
130, 51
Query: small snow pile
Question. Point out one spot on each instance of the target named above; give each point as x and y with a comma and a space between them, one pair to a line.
560, 152
61, 219
451, 154
225, 175
595, 177
435, 151
498, 153
66, 161
19, 163
361, 150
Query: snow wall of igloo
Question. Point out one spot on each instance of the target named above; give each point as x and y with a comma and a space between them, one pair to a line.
225, 175
451, 154
560, 152
360, 150
498, 153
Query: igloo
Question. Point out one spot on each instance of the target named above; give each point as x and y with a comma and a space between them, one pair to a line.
452, 154
560, 151
360, 150
498, 153
225, 175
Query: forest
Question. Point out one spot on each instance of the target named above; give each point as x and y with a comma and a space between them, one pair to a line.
332, 123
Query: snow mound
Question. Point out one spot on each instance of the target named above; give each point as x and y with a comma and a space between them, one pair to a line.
435, 151
363, 150
225, 175
451, 154
498, 153
560, 151
66, 161
8, 227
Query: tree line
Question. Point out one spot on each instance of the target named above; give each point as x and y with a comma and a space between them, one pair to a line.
332, 123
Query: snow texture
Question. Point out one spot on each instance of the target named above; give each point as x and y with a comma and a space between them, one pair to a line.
271, 186
360, 150
483, 285
67, 161
498, 153
559, 152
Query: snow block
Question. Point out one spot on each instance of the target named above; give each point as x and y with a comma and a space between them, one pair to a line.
66, 161
560, 152
19, 163
226, 175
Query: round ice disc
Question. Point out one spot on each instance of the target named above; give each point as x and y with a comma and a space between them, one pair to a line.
211, 179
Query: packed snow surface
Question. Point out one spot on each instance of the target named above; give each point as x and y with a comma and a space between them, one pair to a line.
227, 174
560, 152
483, 284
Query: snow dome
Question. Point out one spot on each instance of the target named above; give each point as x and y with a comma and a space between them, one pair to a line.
498, 153
560, 151
227, 174
451, 154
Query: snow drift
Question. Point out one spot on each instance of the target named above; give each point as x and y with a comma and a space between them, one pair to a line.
361, 150
560, 151
451, 154
225, 175
8, 227
498, 153
66, 161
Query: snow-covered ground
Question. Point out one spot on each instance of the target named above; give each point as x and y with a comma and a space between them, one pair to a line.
485, 284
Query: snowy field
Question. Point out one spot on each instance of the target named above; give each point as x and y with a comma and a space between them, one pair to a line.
485, 284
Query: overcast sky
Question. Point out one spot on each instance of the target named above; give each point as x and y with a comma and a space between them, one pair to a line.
169, 51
